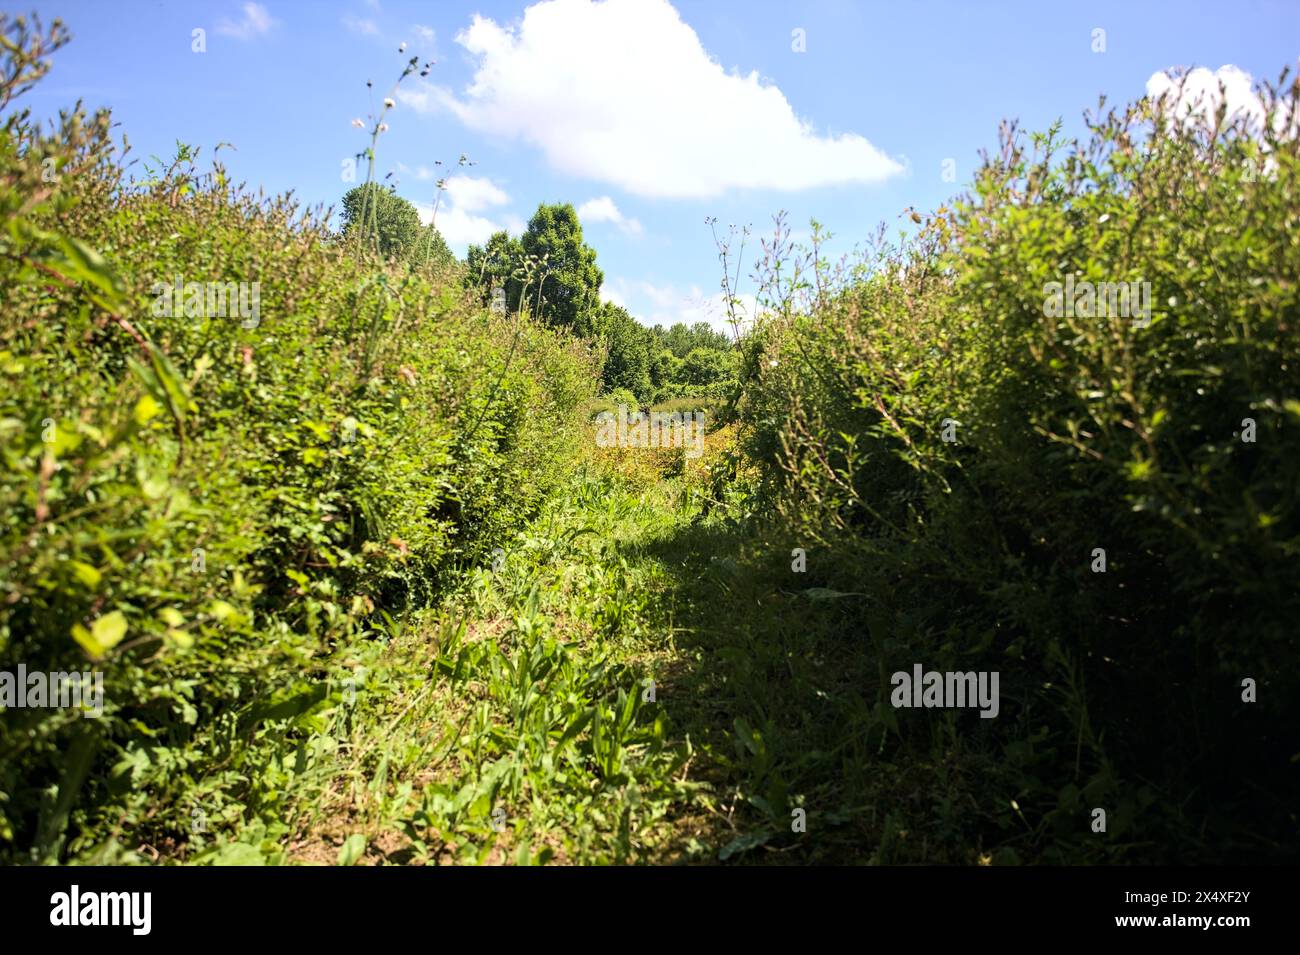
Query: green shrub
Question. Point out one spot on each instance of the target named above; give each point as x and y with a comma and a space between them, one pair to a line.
1121, 689
218, 511
611, 401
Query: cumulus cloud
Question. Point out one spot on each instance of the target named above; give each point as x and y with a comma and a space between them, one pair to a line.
474, 194
603, 209
459, 228
1195, 96
1198, 93
460, 218
624, 92
255, 22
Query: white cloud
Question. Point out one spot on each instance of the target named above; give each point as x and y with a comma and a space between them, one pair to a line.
609, 294
603, 209
459, 219
255, 22
423, 100
623, 92
662, 297
425, 33
363, 27
461, 229
1197, 95
473, 194
712, 309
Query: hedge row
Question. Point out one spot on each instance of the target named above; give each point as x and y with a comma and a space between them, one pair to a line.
1101, 506
213, 505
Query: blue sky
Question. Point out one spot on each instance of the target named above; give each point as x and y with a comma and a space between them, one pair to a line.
648, 116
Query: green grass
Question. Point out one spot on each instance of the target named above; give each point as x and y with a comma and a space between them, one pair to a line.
515, 724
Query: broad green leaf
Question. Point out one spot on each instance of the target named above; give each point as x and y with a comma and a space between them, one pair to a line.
146, 409
77, 261
85, 573
181, 638
744, 843
237, 853
109, 629
353, 849
223, 611
104, 634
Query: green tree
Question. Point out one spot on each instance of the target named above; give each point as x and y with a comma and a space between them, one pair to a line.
629, 350
682, 339
570, 279
666, 368
704, 366
374, 211
498, 262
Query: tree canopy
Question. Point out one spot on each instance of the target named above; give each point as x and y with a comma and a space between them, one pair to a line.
554, 267
498, 262
629, 350
570, 280
550, 260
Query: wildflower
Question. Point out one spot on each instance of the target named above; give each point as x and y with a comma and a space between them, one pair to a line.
402, 48
383, 127
388, 101
358, 124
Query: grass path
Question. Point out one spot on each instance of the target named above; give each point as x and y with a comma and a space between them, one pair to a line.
524, 720
633, 683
